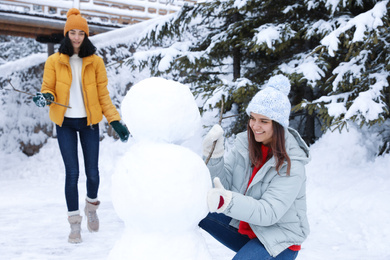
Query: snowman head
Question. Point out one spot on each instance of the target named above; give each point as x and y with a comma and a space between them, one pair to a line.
161, 110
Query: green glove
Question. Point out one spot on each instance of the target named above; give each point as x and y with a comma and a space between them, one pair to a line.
43, 99
121, 130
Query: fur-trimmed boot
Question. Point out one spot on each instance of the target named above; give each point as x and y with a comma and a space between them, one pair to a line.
92, 218
75, 229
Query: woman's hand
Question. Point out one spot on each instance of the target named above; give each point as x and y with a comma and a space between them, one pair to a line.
121, 130
218, 198
43, 99
215, 134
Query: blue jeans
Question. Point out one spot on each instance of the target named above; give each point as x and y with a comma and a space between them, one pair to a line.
217, 225
67, 141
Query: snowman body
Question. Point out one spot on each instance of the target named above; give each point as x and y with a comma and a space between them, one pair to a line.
159, 187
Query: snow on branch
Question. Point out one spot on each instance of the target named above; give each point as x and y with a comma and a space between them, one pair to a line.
312, 69
367, 21
355, 67
332, 5
367, 106
369, 103
271, 34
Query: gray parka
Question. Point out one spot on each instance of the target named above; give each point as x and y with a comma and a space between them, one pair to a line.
274, 204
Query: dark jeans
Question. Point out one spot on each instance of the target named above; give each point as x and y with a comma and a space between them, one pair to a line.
217, 225
68, 142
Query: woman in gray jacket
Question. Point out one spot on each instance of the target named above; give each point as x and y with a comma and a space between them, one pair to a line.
258, 203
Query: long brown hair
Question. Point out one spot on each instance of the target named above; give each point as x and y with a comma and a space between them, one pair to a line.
278, 147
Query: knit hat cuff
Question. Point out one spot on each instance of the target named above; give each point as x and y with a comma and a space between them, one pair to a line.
280, 116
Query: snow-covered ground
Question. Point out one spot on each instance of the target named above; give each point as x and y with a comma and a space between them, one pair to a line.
348, 189
348, 204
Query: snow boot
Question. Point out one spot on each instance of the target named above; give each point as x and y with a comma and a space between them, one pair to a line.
92, 218
75, 228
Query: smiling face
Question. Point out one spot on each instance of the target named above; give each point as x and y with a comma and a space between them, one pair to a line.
76, 38
261, 127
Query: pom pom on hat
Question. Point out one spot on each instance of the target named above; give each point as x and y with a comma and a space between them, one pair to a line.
280, 83
75, 21
272, 101
72, 11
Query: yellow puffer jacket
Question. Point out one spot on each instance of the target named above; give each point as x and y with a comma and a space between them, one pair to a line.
57, 79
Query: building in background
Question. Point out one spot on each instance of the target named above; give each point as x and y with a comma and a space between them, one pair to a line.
45, 20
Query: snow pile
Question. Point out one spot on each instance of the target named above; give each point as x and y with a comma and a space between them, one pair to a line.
348, 193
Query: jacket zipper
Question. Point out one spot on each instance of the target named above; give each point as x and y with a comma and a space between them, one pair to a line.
85, 93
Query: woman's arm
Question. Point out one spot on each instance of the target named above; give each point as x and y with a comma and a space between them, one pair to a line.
49, 78
275, 202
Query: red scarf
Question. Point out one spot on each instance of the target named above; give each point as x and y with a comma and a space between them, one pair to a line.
244, 227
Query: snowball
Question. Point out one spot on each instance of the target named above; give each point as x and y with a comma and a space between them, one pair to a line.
172, 181
160, 191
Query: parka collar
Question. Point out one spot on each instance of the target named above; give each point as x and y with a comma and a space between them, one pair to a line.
64, 58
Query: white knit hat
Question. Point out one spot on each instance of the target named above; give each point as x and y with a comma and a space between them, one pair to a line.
272, 101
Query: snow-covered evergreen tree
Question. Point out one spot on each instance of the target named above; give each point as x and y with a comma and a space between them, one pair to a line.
335, 53
355, 49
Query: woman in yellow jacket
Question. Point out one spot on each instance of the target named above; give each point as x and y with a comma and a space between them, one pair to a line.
75, 79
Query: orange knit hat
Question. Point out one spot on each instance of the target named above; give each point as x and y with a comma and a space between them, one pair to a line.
75, 21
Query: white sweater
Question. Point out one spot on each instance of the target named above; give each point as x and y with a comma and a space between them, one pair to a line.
76, 100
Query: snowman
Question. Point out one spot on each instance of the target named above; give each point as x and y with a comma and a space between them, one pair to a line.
159, 187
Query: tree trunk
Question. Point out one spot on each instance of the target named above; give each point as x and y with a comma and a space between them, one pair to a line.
236, 63
309, 131
236, 55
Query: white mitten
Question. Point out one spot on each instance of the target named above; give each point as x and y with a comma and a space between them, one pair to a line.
218, 198
215, 134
